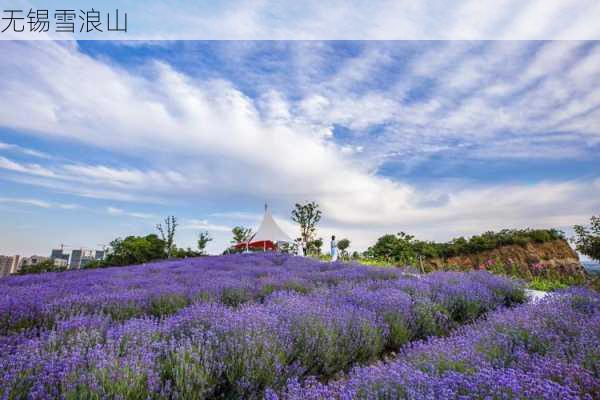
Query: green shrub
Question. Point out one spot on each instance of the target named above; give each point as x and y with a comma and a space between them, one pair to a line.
403, 248
462, 310
547, 285
400, 332
167, 305
192, 377
431, 319
233, 297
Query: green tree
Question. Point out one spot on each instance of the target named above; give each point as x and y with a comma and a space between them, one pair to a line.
314, 246
307, 216
398, 248
183, 253
42, 266
289, 248
241, 234
405, 248
167, 233
587, 238
136, 250
343, 245
94, 264
203, 239
384, 248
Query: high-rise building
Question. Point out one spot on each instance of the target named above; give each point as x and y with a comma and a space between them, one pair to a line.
85, 260
5, 265
75, 261
80, 257
99, 254
9, 265
58, 254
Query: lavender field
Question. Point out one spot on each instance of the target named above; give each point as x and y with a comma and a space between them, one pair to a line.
279, 327
548, 350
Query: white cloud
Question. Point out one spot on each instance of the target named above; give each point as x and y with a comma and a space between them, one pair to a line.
202, 224
69, 206
23, 150
120, 212
375, 19
207, 138
209, 128
100, 181
348, 20
114, 211
31, 169
128, 177
237, 215
474, 96
38, 203
31, 202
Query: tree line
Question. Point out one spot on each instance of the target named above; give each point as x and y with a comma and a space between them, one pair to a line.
142, 249
403, 248
161, 245
400, 248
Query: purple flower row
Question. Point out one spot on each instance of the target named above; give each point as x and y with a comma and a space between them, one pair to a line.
159, 289
545, 350
349, 316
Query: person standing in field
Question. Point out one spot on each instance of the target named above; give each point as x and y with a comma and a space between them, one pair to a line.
334, 249
301, 248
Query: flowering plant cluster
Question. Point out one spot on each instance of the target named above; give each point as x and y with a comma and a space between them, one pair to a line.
538, 267
544, 350
221, 327
487, 264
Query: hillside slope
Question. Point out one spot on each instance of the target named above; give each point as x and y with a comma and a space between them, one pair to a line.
555, 257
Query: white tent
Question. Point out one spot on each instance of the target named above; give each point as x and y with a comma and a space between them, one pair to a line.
269, 230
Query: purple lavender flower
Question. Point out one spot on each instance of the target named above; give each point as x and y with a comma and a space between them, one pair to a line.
235, 326
546, 350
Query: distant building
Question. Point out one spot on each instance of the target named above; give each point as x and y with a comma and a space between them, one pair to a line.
9, 265
85, 260
80, 257
99, 255
75, 261
33, 260
60, 262
59, 257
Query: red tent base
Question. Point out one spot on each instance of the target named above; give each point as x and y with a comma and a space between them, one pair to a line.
260, 245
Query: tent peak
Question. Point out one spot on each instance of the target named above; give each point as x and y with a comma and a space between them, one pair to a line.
269, 230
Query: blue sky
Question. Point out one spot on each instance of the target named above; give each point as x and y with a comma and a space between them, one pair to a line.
337, 19
440, 139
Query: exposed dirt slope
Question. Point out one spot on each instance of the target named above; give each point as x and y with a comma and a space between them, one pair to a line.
556, 256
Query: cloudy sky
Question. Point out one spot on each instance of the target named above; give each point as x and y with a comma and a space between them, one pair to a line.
336, 19
439, 139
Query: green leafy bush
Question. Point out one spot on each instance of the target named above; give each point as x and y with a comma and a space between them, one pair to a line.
404, 248
547, 285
